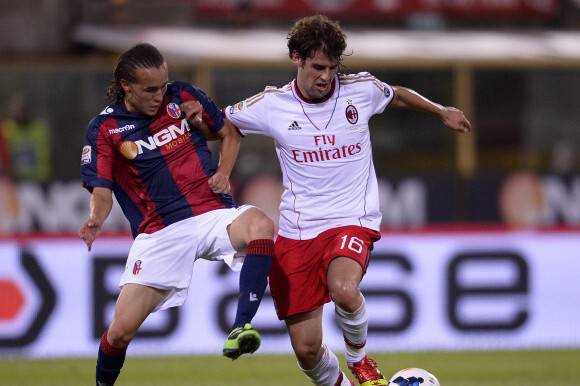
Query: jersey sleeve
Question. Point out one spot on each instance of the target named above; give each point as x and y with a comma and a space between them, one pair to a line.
97, 157
250, 116
212, 115
381, 93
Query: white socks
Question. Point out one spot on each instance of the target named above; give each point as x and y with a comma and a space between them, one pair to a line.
354, 329
327, 371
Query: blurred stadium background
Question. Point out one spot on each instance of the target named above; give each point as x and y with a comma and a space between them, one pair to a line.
481, 233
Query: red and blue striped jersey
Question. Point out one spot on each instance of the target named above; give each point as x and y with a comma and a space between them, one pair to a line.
157, 167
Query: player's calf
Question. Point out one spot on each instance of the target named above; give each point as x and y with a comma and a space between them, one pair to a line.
110, 360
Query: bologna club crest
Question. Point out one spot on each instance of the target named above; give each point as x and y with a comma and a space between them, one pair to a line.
173, 110
351, 114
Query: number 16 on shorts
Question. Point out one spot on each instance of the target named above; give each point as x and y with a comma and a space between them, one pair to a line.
355, 242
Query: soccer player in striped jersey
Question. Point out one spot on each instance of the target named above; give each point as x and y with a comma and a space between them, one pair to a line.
329, 212
148, 148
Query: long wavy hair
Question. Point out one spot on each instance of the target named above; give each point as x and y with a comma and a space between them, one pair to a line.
142, 55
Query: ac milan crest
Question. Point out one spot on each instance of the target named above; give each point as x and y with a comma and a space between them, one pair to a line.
173, 110
137, 267
351, 114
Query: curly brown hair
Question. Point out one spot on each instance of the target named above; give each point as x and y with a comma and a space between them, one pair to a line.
314, 33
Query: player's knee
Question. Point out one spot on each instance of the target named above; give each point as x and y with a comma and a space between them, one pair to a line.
344, 293
308, 353
261, 227
119, 336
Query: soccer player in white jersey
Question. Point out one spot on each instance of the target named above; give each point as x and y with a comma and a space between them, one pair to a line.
329, 214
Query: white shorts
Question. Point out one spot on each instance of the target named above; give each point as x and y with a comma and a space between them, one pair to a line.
164, 259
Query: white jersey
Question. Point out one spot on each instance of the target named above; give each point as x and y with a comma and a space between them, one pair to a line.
324, 150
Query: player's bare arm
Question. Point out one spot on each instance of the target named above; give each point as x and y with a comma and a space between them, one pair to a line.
451, 117
100, 206
220, 181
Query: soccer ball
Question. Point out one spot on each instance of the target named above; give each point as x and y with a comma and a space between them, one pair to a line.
413, 377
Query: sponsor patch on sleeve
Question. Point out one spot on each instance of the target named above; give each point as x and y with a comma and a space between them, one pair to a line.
86, 155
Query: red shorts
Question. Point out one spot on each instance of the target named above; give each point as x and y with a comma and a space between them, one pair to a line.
298, 276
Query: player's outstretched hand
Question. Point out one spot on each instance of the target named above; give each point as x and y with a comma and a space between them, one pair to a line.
455, 120
193, 112
89, 231
219, 183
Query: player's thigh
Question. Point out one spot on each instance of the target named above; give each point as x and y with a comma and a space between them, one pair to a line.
298, 277
252, 224
164, 259
305, 332
134, 304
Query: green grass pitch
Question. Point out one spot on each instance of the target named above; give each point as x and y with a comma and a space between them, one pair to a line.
511, 368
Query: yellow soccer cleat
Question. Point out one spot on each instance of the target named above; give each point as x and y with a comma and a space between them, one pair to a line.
242, 340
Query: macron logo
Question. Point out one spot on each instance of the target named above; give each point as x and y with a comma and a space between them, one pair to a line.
121, 129
253, 297
294, 126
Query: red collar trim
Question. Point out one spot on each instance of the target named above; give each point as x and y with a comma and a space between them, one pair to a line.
315, 100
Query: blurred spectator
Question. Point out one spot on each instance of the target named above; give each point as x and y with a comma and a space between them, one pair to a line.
243, 16
564, 157
27, 140
9, 201
119, 14
521, 200
9, 206
4, 155
570, 14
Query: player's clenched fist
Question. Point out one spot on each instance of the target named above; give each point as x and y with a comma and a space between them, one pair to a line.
193, 111
219, 183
